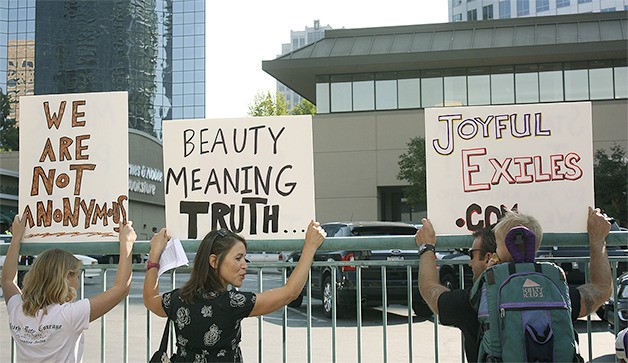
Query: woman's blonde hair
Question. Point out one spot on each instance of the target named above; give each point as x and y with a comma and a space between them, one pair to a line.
47, 281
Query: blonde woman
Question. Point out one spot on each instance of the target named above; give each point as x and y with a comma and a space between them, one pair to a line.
45, 321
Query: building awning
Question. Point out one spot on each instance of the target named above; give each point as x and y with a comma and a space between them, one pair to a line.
560, 38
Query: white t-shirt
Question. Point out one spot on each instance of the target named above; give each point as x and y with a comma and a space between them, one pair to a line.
54, 337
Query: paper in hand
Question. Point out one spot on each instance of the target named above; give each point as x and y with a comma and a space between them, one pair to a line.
173, 256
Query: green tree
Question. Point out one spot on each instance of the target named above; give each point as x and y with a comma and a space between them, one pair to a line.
9, 133
412, 169
304, 107
267, 105
611, 183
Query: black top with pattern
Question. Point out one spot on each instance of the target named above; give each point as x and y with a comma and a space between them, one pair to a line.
209, 330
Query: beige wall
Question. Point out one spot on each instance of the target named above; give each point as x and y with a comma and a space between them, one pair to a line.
610, 124
10, 160
354, 153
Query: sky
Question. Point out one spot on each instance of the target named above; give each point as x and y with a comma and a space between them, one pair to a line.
240, 35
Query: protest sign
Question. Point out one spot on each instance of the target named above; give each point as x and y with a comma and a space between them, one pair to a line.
254, 176
483, 160
73, 166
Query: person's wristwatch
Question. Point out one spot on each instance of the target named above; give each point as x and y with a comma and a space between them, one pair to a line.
150, 265
426, 247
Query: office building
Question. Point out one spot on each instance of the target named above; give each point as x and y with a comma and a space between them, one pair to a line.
298, 39
470, 10
153, 49
371, 86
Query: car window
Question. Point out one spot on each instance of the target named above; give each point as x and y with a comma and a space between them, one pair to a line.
383, 231
332, 229
623, 291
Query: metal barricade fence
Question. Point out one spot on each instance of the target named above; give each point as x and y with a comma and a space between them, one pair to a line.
328, 348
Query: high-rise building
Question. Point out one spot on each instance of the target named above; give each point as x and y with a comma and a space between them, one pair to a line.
153, 49
141, 46
469, 10
298, 39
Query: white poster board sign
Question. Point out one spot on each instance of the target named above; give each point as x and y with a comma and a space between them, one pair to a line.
483, 160
254, 176
73, 166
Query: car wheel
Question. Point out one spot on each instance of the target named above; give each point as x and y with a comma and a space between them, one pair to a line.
450, 281
421, 309
327, 296
296, 303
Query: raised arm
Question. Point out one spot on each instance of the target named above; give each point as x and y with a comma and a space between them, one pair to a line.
271, 300
102, 303
429, 285
595, 293
152, 299
9, 270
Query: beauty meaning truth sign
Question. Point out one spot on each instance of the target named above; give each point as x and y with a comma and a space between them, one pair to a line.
482, 161
254, 176
73, 166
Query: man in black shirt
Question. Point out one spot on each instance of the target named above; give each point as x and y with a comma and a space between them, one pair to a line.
454, 308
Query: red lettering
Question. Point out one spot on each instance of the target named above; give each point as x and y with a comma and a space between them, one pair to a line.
468, 169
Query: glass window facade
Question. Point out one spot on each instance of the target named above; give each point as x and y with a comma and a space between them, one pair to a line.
17, 51
562, 3
532, 83
542, 5
523, 7
502, 86
620, 80
527, 84
576, 82
409, 92
386, 94
432, 89
487, 12
601, 80
479, 85
551, 83
455, 85
188, 40
363, 95
504, 9
164, 57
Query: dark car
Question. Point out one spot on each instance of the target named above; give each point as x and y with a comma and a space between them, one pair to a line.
113, 259
371, 289
575, 270
622, 306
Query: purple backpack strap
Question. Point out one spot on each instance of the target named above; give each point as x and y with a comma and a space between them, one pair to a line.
521, 243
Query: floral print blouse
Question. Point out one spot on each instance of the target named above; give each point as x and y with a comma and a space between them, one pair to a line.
209, 330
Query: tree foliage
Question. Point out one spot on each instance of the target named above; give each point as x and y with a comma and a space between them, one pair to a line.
304, 107
267, 105
611, 183
9, 133
412, 169
264, 104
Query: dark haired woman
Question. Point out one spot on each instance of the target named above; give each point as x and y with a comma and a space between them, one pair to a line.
206, 313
